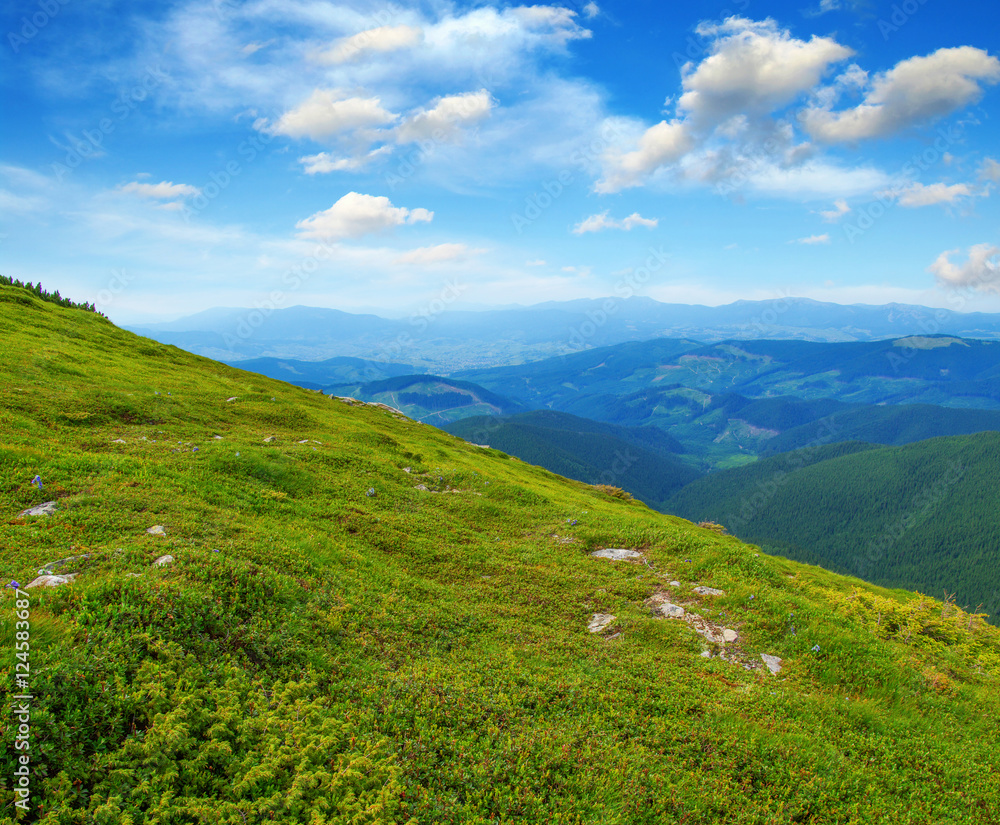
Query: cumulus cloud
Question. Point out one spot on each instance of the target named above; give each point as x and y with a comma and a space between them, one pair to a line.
980, 271
840, 208
378, 40
327, 162
659, 145
446, 117
165, 190
755, 67
558, 22
355, 215
813, 239
916, 194
596, 223
990, 170
913, 92
441, 253
591, 10
327, 112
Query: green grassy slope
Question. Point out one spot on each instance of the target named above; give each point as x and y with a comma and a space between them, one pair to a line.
315, 654
922, 516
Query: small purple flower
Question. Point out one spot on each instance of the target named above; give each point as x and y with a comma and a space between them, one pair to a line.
37, 481
815, 648
12, 586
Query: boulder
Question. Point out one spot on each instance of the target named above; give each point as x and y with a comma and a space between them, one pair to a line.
156, 530
600, 621
671, 611
616, 554
773, 662
51, 581
709, 591
729, 635
163, 561
52, 566
45, 509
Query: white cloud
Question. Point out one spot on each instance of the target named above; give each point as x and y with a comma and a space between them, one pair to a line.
378, 40
980, 271
813, 239
660, 144
536, 262
355, 215
591, 10
444, 120
755, 67
326, 112
840, 208
990, 170
160, 191
442, 253
916, 194
596, 223
913, 92
326, 162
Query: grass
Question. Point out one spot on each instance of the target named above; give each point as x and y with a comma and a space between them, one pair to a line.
317, 654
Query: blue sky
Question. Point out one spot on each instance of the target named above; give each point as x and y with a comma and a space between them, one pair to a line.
164, 158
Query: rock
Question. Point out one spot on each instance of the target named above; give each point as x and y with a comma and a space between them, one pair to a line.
671, 611
422, 487
729, 635
773, 662
52, 566
51, 581
217, 437
270, 439
45, 509
706, 654
233, 398
407, 469
118, 441
163, 561
156, 530
303, 441
134, 575
600, 621
675, 583
709, 591
616, 554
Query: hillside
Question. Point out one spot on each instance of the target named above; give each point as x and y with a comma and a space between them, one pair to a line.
641, 460
346, 616
922, 516
430, 398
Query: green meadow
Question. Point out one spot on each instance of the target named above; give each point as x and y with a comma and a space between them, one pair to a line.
333, 644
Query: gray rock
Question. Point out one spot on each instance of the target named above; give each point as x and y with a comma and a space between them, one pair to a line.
45, 509
156, 530
118, 441
600, 621
51, 581
773, 662
232, 398
706, 654
422, 487
616, 554
675, 583
671, 611
52, 566
270, 439
163, 561
729, 635
709, 591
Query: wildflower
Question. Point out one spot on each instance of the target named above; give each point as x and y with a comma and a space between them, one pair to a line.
12, 586
815, 648
37, 481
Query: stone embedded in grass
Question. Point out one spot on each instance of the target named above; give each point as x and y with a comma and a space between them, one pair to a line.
422, 487
729, 635
616, 554
118, 441
45, 509
156, 530
773, 662
675, 583
163, 561
52, 566
232, 398
51, 581
270, 439
709, 591
671, 611
600, 621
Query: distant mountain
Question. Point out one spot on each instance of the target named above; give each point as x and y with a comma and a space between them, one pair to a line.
922, 516
430, 398
316, 374
640, 460
455, 340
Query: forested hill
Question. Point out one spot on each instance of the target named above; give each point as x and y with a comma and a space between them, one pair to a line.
923, 516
